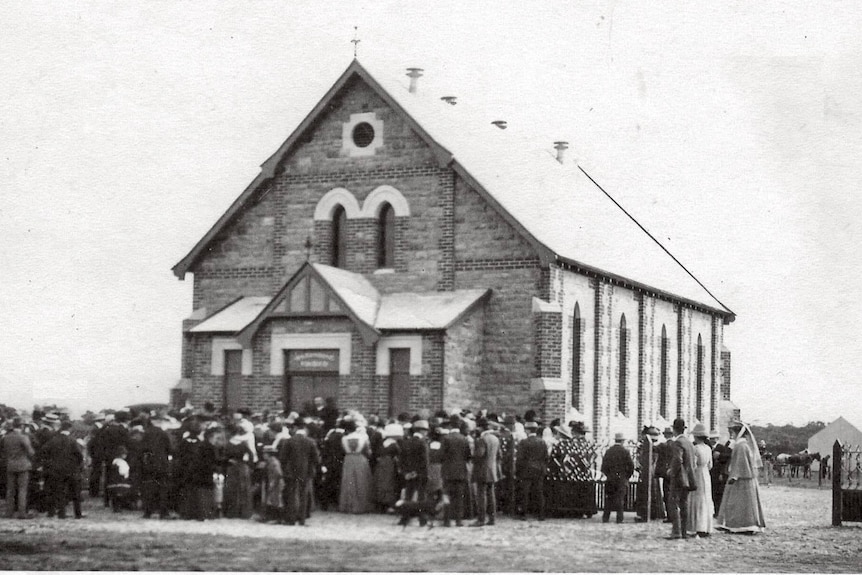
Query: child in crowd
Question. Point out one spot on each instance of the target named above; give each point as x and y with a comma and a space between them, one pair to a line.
119, 487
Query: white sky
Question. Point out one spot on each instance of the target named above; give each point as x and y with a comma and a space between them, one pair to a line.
733, 132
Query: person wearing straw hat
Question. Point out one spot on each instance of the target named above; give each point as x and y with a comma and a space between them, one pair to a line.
486, 472
700, 507
741, 511
618, 467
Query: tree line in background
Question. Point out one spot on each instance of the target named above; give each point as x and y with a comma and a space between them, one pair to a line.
786, 438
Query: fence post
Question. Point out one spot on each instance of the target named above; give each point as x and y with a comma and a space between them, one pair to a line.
837, 502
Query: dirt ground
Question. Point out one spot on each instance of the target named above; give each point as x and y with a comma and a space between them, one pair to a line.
799, 538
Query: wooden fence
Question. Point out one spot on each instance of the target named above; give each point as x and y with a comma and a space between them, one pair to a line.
846, 483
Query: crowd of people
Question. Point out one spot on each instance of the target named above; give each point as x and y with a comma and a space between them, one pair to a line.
448, 467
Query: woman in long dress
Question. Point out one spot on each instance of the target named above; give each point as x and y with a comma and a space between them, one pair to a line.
700, 506
649, 487
355, 496
386, 470
741, 511
237, 482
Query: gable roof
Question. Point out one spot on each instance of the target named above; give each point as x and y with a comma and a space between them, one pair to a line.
371, 311
234, 316
591, 231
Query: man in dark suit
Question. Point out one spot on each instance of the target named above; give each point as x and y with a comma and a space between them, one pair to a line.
96, 450
63, 459
414, 467
681, 480
455, 453
617, 465
530, 468
486, 473
155, 469
299, 460
114, 435
17, 452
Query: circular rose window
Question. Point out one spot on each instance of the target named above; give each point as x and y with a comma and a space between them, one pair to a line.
363, 135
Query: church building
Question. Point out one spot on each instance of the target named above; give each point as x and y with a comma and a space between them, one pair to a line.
402, 252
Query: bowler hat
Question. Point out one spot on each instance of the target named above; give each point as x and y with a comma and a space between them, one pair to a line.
619, 437
678, 424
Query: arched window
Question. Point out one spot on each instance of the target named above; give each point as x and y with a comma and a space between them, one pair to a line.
622, 389
386, 237
698, 409
663, 381
339, 238
577, 358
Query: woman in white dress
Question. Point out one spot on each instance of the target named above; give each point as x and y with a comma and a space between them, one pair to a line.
356, 494
700, 506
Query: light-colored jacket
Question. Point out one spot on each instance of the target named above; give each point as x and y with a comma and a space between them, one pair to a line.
487, 458
18, 451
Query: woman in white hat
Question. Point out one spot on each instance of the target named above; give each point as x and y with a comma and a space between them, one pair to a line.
386, 469
700, 506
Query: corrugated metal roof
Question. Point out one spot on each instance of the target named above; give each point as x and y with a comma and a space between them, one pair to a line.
558, 204
434, 310
234, 317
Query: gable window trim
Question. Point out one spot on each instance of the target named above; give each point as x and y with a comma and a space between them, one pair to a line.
219, 346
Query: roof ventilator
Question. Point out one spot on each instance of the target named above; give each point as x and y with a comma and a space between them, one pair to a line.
561, 148
414, 74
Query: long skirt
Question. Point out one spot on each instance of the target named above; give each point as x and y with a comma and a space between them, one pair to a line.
656, 501
700, 506
740, 507
237, 491
355, 495
385, 482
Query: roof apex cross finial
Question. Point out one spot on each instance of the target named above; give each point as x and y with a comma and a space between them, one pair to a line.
355, 40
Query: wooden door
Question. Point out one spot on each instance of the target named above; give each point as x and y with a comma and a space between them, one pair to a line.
399, 381
233, 379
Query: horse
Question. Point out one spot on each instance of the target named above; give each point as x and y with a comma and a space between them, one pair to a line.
802, 461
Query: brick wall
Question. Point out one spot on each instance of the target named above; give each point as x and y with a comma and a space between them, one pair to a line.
464, 349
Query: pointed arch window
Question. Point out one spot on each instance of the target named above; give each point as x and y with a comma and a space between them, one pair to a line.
577, 358
386, 237
663, 375
339, 238
622, 388
698, 409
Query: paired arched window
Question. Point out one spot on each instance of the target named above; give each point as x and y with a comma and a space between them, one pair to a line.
622, 388
663, 375
698, 409
339, 238
386, 237
577, 358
